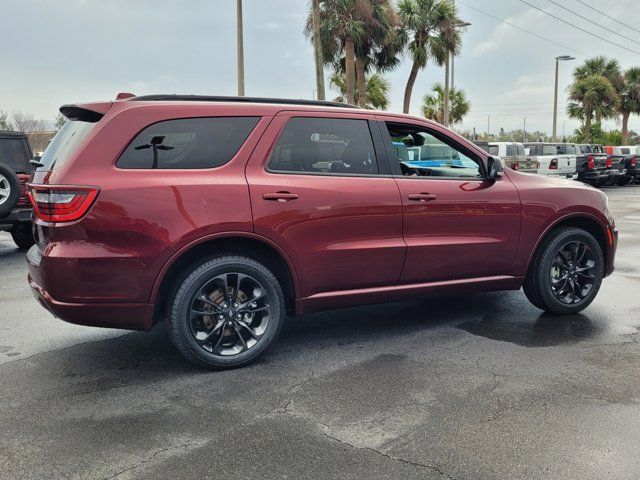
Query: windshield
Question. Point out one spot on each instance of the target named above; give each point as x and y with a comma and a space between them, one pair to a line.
64, 144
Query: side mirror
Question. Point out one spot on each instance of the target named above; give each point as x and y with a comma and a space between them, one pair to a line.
495, 168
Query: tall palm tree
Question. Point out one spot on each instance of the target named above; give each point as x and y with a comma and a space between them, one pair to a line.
376, 90
589, 94
629, 92
431, 25
342, 27
608, 68
433, 104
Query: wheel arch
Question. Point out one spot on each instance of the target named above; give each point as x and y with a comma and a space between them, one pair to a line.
247, 244
584, 221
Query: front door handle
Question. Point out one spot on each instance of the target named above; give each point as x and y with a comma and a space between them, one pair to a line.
280, 196
422, 197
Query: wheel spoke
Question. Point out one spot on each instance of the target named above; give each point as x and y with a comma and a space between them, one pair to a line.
203, 298
244, 342
249, 330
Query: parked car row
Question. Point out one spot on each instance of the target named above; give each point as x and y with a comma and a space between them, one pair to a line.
589, 163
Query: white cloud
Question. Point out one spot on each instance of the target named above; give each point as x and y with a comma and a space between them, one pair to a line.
506, 35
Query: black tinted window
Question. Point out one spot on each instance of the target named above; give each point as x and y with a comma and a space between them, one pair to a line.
188, 143
325, 145
625, 151
14, 153
64, 144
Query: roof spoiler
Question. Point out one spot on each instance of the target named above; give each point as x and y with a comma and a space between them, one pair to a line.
85, 112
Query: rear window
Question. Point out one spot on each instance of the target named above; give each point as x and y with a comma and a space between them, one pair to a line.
14, 153
549, 150
64, 144
494, 150
189, 143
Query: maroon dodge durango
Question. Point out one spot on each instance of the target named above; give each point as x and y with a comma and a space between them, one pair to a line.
223, 215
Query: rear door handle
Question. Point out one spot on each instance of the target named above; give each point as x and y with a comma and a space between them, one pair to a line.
280, 196
422, 197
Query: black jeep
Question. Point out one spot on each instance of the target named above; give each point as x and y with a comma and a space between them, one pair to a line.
15, 170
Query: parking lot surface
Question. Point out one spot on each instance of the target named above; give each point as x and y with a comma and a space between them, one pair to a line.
480, 387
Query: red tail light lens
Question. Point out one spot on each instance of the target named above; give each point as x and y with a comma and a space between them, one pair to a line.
554, 164
61, 203
609, 162
591, 164
634, 161
514, 165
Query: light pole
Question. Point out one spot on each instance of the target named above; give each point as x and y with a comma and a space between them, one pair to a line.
317, 48
240, 49
448, 86
562, 58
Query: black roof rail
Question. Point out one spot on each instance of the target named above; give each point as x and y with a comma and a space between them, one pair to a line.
208, 98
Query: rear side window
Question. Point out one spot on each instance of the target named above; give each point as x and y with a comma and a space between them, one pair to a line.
14, 153
64, 144
188, 143
326, 145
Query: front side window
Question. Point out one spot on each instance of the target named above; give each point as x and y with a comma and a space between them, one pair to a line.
434, 157
188, 143
325, 146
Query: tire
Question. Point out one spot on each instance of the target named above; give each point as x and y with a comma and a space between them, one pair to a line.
22, 234
9, 190
568, 289
624, 181
206, 340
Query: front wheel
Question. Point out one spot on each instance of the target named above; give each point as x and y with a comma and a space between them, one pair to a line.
226, 312
566, 273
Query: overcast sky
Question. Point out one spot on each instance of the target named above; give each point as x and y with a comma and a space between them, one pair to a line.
79, 50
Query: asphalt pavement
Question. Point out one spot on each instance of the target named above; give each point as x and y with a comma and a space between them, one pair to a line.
479, 387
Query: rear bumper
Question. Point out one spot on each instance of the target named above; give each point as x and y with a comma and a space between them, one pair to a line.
131, 316
17, 215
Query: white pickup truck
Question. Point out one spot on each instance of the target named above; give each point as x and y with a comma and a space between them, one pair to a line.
550, 162
513, 155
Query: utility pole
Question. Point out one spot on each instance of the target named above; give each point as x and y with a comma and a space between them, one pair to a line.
445, 119
317, 48
240, 49
555, 96
488, 126
524, 123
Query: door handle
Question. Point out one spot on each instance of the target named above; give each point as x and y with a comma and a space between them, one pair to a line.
280, 196
422, 197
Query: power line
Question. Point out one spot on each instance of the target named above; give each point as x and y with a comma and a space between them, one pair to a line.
608, 16
520, 28
591, 21
579, 28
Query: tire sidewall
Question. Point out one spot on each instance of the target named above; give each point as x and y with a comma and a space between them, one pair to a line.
14, 194
194, 281
22, 234
545, 267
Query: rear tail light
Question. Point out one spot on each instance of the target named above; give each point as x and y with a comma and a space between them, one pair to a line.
609, 162
514, 165
554, 164
61, 203
591, 164
634, 161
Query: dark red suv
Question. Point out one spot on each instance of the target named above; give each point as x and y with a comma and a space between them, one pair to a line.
222, 215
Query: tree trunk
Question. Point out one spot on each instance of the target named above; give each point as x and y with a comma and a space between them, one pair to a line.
317, 48
361, 83
409, 88
446, 93
598, 117
625, 128
587, 128
350, 69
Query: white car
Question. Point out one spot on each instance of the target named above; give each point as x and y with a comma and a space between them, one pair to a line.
550, 162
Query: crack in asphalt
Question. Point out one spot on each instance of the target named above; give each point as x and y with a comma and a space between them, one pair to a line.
155, 454
326, 432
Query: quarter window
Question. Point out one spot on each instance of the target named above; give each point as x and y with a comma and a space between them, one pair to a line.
325, 146
188, 143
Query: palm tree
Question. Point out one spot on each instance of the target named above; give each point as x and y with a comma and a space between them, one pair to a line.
376, 90
431, 24
588, 95
608, 68
433, 104
342, 27
629, 92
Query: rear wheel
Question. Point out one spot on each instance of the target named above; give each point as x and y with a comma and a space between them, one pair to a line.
22, 234
226, 312
567, 272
